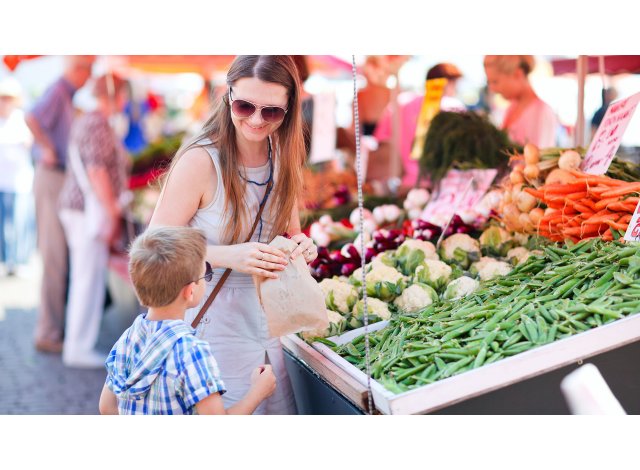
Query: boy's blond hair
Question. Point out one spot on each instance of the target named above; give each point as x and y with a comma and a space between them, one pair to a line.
163, 260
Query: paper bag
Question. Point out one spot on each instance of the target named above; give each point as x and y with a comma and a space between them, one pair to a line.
294, 302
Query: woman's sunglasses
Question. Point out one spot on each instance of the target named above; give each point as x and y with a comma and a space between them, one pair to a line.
244, 109
208, 273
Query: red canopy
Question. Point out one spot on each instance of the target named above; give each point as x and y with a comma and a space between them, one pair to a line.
12, 61
613, 64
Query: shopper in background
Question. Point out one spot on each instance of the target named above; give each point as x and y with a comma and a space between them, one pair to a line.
409, 111
608, 95
16, 180
50, 122
374, 97
528, 119
90, 212
217, 182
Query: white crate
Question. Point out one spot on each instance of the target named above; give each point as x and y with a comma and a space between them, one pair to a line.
487, 378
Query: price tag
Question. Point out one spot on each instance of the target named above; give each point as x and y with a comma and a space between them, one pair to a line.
633, 230
452, 187
607, 139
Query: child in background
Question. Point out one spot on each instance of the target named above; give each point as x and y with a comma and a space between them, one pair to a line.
158, 366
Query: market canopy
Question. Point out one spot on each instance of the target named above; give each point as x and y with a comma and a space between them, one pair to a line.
613, 64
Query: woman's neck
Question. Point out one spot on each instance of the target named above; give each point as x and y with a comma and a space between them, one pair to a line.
252, 154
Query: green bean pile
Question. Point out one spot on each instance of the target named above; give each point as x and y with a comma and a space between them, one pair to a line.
566, 291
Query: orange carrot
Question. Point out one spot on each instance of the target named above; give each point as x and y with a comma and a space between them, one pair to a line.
577, 196
625, 219
616, 225
535, 193
600, 219
559, 188
603, 203
582, 208
621, 191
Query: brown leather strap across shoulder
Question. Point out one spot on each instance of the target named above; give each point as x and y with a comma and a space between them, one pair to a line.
226, 273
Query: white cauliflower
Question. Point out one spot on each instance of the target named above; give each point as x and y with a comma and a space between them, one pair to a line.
412, 253
494, 269
416, 297
461, 249
377, 310
411, 244
433, 273
518, 255
495, 241
336, 326
461, 287
383, 273
339, 296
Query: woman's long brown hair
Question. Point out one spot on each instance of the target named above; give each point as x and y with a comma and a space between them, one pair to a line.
289, 150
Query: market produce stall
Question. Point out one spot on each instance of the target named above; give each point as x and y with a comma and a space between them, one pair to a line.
487, 323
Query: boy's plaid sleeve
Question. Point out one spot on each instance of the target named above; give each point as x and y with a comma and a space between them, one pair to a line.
201, 374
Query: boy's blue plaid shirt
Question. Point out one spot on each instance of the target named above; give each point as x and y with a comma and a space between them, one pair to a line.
160, 367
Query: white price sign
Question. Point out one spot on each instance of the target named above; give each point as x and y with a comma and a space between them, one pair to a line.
453, 193
633, 230
607, 139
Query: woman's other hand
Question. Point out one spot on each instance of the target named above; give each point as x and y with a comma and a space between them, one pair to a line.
306, 248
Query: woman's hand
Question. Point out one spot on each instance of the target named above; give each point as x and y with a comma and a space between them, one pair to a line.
306, 248
254, 258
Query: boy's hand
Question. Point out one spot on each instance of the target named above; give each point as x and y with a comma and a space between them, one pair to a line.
263, 381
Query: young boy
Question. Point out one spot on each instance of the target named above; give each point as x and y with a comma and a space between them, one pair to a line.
158, 366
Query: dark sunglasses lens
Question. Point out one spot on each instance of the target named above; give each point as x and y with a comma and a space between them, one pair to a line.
242, 108
272, 114
208, 274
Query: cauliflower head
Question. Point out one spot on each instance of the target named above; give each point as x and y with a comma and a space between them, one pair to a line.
460, 249
495, 241
461, 287
413, 252
518, 255
434, 273
377, 310
416, 297
494, 269
339, 296
337, 324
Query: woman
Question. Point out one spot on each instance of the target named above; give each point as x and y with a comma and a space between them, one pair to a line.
216, 183
90, 213
528, 119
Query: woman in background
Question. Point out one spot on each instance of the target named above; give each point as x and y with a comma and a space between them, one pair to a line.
528, 119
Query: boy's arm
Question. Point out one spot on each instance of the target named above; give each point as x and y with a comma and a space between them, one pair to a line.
108, 402
213, 405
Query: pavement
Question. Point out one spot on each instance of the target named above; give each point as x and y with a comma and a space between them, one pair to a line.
32, 382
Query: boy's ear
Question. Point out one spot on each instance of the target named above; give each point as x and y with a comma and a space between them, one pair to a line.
187, 291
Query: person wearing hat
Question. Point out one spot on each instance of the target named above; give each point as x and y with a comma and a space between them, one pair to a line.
16, 179
409, 111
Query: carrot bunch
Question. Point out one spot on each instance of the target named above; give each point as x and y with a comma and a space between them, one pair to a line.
588, 207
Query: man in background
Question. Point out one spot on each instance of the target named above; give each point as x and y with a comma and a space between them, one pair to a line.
50, 123
409, 111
